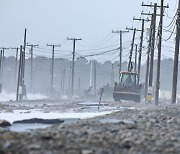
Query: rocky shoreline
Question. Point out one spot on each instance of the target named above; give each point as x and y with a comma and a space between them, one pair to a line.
139, 131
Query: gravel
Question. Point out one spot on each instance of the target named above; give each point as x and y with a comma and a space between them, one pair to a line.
144, 129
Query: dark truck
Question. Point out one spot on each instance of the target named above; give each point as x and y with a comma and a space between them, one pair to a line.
128, 87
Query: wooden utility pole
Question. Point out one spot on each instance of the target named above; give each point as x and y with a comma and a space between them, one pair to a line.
159, 53
19, 76
23, 87
176, 57
91, 72
52, 68
63, 81
16, 62
2, 65
112, 76
70, 77
31, 74
132, 47
120, 32
23, 75
79, 87
74, 51
25, 35
20, 83
135, 61
147, 63
140, 46
152, 46
94, 77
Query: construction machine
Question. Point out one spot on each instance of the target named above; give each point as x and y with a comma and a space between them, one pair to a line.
128, 87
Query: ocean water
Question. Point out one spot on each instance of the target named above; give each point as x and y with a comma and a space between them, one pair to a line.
4, 96
68, 117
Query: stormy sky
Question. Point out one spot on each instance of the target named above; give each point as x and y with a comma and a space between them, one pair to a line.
52, 21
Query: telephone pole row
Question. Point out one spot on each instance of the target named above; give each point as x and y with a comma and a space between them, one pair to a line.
141, 45
153, 19
74, 48
151, 48
132, 47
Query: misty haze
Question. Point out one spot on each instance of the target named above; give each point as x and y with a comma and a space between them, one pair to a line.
89, 77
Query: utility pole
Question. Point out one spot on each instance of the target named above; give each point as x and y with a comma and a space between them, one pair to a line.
62, 81
16, 62
22, 67
132, 47
120, 32
141, 45
31, 76
94, 77
176, 57
70, 77
25, 35
52, 68
148, 53
19, 76
91, 72
152, 47
112, 76
159, 53
64, 74
79, 87
2, 65
20, 83
74, 51
135, 61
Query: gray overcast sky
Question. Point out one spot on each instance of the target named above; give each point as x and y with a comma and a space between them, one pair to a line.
52, 21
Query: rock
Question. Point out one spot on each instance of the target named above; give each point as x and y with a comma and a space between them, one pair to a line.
34, 146
8, 136
87, 152
4, 123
